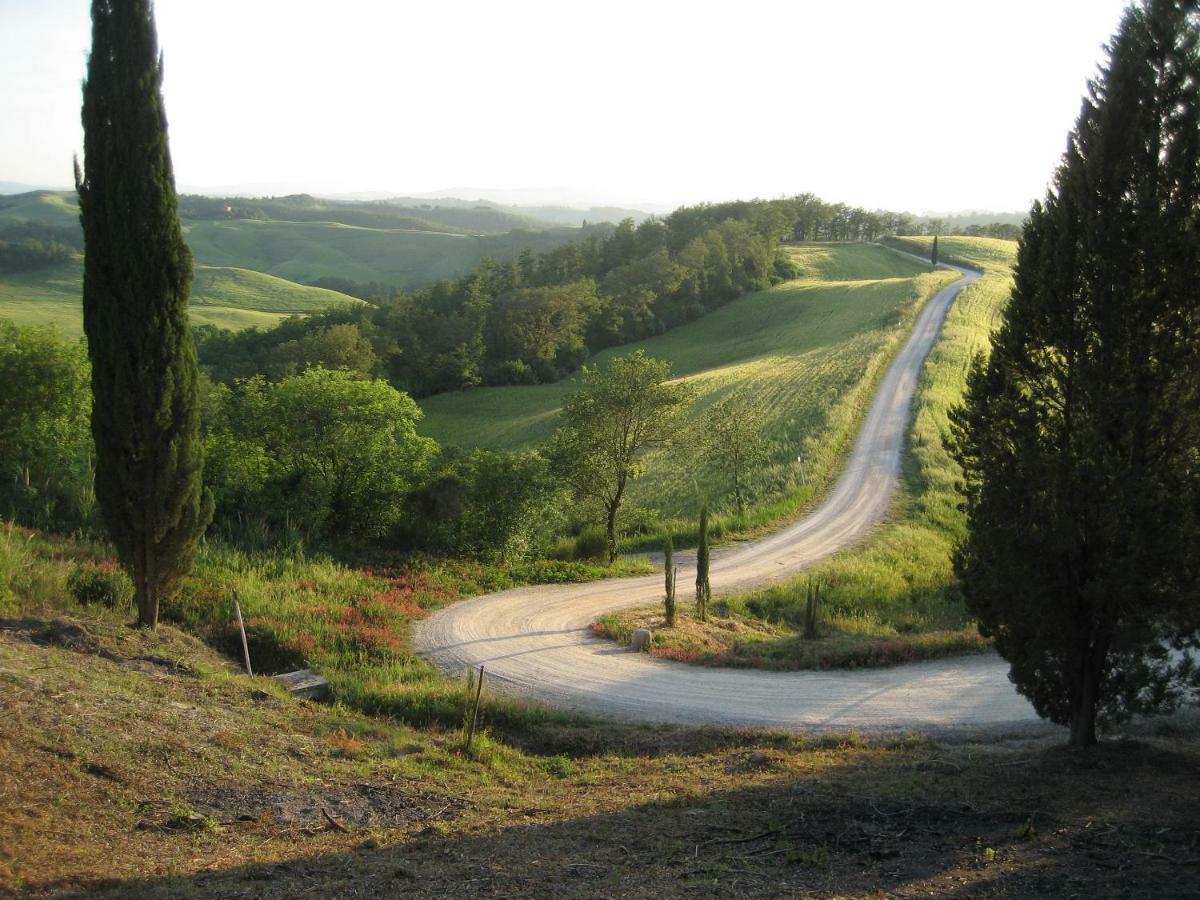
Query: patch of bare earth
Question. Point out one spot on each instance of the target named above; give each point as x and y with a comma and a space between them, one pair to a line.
136, 765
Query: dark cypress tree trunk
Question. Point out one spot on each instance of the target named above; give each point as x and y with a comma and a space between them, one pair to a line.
1083, 715
669, 576
703, 588
137, 275
610, 531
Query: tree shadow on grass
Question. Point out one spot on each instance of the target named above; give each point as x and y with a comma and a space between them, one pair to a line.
1120, 821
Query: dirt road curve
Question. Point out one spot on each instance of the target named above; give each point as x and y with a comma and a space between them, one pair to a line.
535, 641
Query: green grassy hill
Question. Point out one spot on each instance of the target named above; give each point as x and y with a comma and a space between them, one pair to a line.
225, 297
464, 217
58, 208
893, 598
363, 243
808, 352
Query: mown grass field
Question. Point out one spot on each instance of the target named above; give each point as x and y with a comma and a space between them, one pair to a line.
892, 599
807, 353
138, 765
305, 251
225, 297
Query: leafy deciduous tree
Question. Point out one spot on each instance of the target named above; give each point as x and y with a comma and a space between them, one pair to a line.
734, 442
623, 411
325, 450
45, 446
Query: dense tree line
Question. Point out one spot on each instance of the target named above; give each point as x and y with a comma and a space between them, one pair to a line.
317, 458
1002, 230
26, 246
45, 445
539, 316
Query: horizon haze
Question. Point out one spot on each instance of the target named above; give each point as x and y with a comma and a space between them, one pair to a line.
941, 107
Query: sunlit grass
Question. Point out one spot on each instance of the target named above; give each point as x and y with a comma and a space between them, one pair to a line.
807, 353
224, 297
901, 582
351, 624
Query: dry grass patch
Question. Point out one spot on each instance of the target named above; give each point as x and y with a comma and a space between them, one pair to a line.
731, 639
135, 765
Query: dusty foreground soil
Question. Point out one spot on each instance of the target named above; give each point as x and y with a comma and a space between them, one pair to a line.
137, 767
535, 641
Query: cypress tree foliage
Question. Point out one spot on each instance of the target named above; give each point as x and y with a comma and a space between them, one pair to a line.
1079, 436
703, 588
669, 570
933, 257
137, 275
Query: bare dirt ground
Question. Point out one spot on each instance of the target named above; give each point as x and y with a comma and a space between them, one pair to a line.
139, 766
535, 641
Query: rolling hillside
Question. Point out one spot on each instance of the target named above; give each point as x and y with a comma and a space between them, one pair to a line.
306, 251
252, 270
807, 352
57, 208
226, 297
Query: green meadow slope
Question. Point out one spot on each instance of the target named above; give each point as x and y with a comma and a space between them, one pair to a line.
225, 297
807, 353
56, 208
893, 598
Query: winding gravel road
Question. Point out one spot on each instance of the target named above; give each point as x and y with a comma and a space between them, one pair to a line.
535, 641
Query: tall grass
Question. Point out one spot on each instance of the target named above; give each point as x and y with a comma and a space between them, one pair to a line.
353, 624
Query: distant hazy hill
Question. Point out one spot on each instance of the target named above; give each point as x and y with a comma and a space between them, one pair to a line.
309, 251
457, 218
557, 214
56, 208
963, 219
13, 187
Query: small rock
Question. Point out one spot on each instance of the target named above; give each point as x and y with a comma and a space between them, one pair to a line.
757, 760
641, 640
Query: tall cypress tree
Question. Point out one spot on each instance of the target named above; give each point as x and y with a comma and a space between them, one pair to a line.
1079, 435
137, 276
933, 256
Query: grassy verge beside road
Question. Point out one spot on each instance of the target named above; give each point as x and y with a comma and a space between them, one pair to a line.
892, 599
806, 354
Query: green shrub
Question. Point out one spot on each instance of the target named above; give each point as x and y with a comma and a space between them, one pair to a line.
591, 544
101, 584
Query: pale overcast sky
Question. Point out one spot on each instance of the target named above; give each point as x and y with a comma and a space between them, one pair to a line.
921, 105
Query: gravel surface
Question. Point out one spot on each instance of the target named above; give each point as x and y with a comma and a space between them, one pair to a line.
535, 641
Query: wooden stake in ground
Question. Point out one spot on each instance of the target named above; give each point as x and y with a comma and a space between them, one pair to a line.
475, 711
237, 608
